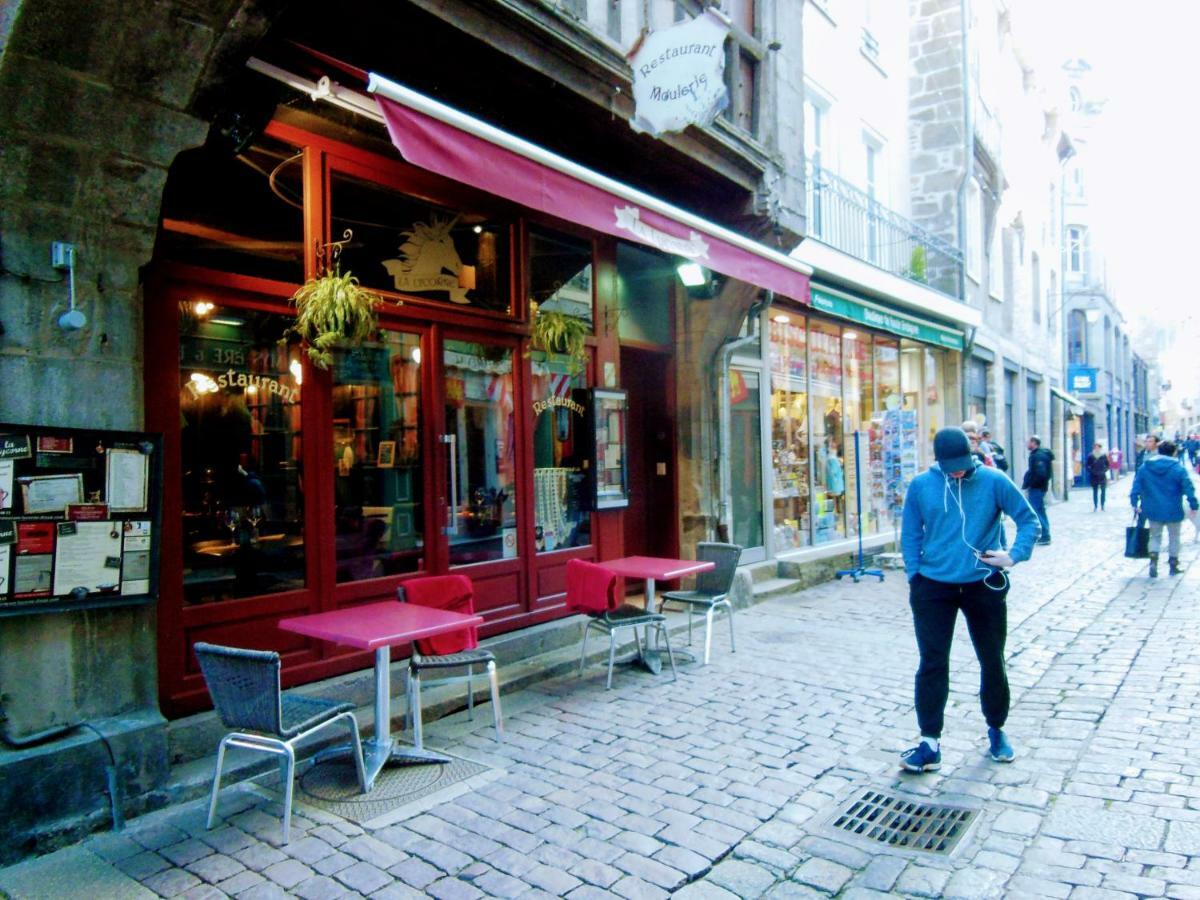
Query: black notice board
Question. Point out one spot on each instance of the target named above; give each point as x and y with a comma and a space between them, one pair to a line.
80, 518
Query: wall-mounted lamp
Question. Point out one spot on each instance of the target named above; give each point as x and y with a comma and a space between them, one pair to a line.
62, 256
466, 278
692, 274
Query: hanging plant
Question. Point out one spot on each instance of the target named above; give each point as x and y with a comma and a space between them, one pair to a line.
332, 310
557, 332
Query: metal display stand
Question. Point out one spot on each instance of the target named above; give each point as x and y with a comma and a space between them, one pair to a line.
859, 570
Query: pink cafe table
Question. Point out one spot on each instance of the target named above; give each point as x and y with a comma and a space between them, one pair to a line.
377, 626
652, 569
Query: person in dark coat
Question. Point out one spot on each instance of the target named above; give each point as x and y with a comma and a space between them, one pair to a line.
1097, 469
1158, 492
1037, 482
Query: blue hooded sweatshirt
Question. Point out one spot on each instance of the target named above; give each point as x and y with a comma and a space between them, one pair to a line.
1160, 486
942, 516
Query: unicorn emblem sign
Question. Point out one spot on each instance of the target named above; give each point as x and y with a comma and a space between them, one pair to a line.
429, 261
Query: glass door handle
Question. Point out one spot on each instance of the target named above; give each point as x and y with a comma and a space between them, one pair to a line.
452, 508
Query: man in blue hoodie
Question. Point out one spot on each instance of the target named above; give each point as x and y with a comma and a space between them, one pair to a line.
950, 540
1159, 489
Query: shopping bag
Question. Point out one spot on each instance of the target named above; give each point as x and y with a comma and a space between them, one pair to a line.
1137, 539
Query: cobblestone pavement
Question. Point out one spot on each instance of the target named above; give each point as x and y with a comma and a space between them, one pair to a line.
723, 783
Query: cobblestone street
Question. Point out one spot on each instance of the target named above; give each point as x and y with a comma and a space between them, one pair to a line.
724, 783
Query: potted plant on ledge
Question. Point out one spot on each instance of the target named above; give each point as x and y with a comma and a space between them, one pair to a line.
560, 332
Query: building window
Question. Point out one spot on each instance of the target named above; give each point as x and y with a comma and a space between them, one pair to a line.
745, 53
1035, 293
977, 390
1053, 303
1010, 396
816, 113
995, 265
1077, 338
1076, 251
872, 151
1031, 392
974, 231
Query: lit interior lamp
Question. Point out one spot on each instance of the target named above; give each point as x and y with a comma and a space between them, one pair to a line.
691, 274
478, 229
416, 355
466, 278
251, 389
296, 370
202, 307
204, 383
781, 318
850, 335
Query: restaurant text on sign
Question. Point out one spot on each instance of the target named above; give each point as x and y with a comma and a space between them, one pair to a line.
679, 76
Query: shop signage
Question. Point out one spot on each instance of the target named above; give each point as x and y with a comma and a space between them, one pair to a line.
1081, 379
427, 254
629, 219
232, 379
679, 76
14, 446
886, 320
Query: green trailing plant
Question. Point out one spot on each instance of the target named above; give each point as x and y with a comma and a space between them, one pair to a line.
332, 310
916, 264
557, 332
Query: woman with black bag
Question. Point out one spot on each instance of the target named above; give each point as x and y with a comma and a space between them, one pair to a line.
1097, 469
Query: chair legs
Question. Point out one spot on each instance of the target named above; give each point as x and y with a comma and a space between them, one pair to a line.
708, 620
289, 782
729, 612
497, 718
216, 786
414, 708
662, 627
612, 655
583, 651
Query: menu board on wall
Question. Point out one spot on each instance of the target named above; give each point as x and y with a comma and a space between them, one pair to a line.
79, 518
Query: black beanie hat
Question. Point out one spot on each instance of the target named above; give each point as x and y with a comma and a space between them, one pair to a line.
952, 450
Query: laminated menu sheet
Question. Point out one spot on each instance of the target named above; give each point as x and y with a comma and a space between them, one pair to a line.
88, 556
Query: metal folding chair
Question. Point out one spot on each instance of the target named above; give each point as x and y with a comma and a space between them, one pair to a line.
712, 590
244, 685
455, 650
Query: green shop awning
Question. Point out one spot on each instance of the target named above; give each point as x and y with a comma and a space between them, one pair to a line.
873, 316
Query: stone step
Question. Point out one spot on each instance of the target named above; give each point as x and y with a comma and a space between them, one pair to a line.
775, 587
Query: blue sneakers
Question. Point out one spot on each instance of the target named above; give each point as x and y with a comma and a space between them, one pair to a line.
921, 758
999, 746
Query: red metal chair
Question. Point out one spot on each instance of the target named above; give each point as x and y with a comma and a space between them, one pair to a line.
455, 650
591, 590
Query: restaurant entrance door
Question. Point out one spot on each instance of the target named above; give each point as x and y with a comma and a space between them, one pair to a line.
650, 519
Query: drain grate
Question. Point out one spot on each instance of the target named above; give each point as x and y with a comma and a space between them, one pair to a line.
905, 824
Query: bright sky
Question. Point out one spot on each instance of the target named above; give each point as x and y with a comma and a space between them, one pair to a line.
1146, 148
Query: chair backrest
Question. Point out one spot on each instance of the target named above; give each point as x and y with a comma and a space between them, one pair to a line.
451, 592
590, 588
720, 579
244, 685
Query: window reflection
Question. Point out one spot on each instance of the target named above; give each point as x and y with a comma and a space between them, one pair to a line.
243, 503
789, 432
482, 462
377, 462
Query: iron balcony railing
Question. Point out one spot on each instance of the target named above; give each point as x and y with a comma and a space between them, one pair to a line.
851, 220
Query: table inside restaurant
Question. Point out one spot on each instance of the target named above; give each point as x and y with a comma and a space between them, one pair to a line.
653, 569
378, 626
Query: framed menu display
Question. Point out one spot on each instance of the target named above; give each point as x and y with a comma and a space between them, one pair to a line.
608, 412
80, 518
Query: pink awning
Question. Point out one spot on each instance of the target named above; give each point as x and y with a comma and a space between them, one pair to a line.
450, 143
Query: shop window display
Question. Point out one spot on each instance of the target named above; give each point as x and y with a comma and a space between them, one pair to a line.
828, 444
560, 484
888, 441
859, 389
789, 433
377, 458
243, 502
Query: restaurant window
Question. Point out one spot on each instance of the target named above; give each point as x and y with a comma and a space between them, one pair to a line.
240, 449
789, 432
480, 417
560, 274
646, 281
405, 245
561, 505
828, 442
237, 213
377, 465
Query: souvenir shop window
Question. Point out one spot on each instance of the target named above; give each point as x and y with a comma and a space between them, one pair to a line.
887, 469
790, 488
828, 443
480, 420
859, 391
410, 246
239, 213
378, 511
646, 282
561, 500
560, 274
240, 441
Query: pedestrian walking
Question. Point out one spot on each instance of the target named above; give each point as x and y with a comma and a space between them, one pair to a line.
1149, 449
1114, 463
1159, 489
1097, 470
950, 539
989, 447
1037, 482
971, 429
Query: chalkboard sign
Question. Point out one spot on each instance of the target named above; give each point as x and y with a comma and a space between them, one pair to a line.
80, 518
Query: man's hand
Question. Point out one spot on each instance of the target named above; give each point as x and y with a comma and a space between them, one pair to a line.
997, 559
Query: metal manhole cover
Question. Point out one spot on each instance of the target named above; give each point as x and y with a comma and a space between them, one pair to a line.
905, 824
333, 786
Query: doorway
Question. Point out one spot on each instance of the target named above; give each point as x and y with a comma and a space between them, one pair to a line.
650, 519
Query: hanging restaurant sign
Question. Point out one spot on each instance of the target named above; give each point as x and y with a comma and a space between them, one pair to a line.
679, 76
693, 246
